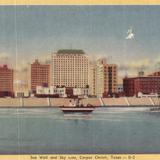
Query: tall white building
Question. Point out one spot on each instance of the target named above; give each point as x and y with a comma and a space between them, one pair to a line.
103, 78
70, 68
92, 78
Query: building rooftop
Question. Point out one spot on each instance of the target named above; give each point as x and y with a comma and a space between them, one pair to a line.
155, 74
70, 51
5, 67
142, 77
36, 62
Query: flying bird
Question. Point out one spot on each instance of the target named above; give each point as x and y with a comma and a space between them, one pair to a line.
130, 34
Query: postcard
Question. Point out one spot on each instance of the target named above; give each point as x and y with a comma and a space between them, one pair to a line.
79, 81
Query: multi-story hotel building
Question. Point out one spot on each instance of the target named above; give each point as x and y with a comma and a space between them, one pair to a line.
145, 85
103, 78
70, 68
40, 75
6, 81
92, 78
106, 78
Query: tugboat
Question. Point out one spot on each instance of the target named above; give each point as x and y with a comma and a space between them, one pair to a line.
77, 107
157, 108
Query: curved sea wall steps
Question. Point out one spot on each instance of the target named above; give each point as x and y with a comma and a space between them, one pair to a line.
35, 102
10, 102
144, 101
115, 101
156, 101
92, 101
56, 102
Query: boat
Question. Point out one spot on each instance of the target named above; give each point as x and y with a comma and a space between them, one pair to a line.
67, 109
77, 107
156, 108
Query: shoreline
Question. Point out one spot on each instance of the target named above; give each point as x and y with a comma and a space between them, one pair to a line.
122, 102
57, 107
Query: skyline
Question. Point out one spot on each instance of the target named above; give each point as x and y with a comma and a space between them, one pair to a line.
37, 31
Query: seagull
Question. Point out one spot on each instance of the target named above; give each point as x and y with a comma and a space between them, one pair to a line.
130, 34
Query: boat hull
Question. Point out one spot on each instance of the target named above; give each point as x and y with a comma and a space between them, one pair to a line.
77, 109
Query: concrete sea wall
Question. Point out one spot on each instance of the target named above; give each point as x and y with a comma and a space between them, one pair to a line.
55, 102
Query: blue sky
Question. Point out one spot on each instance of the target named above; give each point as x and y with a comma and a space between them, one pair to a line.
98, 30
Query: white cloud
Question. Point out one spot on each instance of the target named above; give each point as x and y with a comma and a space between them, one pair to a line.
4, 56
42, 58
143, 63
22, 65
132, 68
45, 58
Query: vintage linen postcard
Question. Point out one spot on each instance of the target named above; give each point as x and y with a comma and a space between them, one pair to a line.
79, 80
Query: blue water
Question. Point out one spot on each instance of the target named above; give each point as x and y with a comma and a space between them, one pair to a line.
114, 130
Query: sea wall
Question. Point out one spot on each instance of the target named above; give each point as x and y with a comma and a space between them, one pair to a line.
130, 101
10, 102
35, 102
55, 102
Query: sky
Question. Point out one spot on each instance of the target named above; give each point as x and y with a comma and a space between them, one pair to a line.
29, 32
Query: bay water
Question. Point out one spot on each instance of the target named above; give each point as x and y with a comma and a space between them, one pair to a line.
106, 130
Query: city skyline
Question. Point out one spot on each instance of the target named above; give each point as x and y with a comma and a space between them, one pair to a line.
29, 32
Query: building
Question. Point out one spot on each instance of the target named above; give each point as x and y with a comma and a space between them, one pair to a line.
106, 78
81, 92
23, 93
92, 79
40, 75
21, 88
145, 85
152, 95
155, 74
70, 68
120, 88
111, 71
51, 91
22, 82
61, 91
6, 81
41, 90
